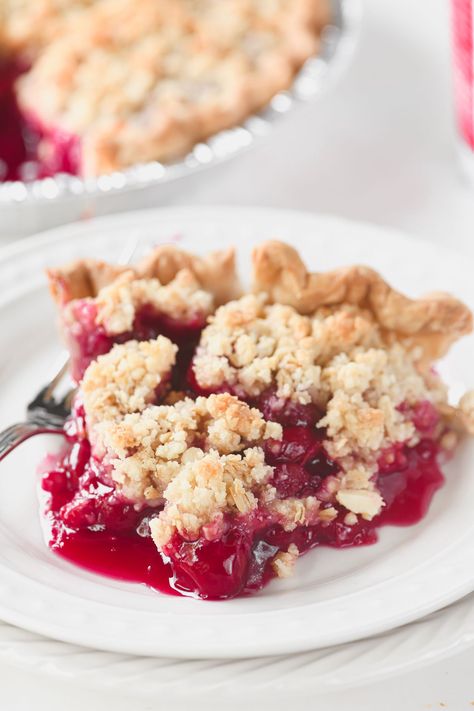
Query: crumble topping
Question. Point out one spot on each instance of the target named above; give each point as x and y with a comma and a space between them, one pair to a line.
205, 489
341, 328
29, 26
361, 501
126, 379
181, 299
147, 450
336, 358
364, 391
203, 464
367, 393
250, 345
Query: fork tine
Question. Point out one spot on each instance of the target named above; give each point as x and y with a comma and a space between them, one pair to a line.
49, 389
13, 436
45, 395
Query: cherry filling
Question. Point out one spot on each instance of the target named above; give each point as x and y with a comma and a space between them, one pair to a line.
29, 151
87, 340
91, 525
57, 151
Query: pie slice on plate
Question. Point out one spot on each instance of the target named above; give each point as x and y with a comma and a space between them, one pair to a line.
216, 437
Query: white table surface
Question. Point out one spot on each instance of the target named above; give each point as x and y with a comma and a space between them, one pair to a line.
380, 147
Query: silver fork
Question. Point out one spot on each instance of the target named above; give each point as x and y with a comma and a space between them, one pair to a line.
46, 413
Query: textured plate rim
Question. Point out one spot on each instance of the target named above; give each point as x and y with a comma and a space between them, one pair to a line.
432, 639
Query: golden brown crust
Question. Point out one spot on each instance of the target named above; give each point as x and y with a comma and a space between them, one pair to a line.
83, 278
80, 279
215, 272
432, 322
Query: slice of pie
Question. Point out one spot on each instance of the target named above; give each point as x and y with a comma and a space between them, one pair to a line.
310, 413
114, 83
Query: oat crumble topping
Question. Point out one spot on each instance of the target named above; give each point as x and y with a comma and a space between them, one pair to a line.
336, 358
118, 303
293, 512
362, 417
204, 489
341, 328
147, 450
126, 379
251, 345
29, 25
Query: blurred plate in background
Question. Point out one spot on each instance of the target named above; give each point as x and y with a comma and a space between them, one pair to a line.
35, 206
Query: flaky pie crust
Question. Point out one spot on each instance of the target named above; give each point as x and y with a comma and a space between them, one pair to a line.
83, 278
432, 323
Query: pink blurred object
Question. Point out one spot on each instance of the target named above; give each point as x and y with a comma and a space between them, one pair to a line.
462, 27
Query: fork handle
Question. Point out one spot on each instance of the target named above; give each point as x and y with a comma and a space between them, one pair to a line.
17, 434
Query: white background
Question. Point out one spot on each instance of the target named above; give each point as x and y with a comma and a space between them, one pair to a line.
380, 147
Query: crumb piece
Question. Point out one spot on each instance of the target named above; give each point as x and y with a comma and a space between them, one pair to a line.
341, 328
283, 563
327, 515
350, 519
360, 501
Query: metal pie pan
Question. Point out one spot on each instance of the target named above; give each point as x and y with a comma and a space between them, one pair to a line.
76, 196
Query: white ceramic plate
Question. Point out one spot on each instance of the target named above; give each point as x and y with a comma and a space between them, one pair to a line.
335, 596
247, 681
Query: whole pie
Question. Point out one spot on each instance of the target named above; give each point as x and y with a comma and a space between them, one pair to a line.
218, 435
106, 84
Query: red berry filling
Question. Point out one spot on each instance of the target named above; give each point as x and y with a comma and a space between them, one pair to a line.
20, 136
60, 150
87, 339
93, 526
